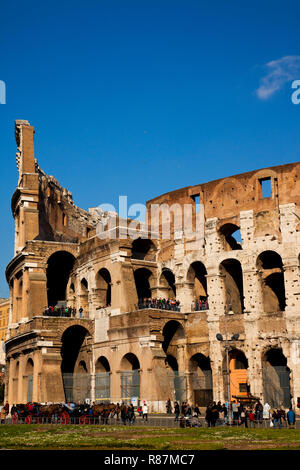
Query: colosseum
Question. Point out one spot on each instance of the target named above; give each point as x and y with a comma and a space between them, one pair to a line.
208, 312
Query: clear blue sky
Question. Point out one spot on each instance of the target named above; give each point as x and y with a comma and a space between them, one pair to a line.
141, 97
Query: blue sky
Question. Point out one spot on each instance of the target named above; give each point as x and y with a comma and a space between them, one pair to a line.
142, 97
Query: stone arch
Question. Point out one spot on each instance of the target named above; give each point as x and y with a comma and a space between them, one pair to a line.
75, 353
59, 267
15, 382
230, 235
130, 362
173, 334
260, 176
238, 373
197, 286
81, 367
228, 191
271, 273
167, 287
200, 377
143, 249
144, 283
84, 296
276, 378
176, 379
103, 288
28, 378
102, 365
232, 276
102, 380
71, 296
130, 377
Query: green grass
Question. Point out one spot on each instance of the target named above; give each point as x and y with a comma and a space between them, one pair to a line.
144, 438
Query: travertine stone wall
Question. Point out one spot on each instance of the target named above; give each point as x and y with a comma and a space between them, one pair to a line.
239, 274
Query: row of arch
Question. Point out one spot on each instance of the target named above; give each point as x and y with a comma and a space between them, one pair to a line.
269, 265
197, 379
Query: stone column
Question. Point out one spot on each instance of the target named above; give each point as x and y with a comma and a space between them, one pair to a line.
292, 295
253, 308
215, 289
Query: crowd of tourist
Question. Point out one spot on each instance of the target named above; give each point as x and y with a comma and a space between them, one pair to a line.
235, 414
162, 304
200, 304
238, 414
187, 415
62, 312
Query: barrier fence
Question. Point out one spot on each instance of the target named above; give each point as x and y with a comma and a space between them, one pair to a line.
153, 421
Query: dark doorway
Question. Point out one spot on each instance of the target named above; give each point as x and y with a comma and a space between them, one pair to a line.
201, 379
60, 264
77, 384
276, 379
142, 277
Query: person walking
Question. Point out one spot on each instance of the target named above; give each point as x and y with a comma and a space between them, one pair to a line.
208, 415
169, 406
145, 412
259, 411
176, 410
235, 412
131, 415
6, 407
214, 414
244, 416
224, 412
291, 418
266, 411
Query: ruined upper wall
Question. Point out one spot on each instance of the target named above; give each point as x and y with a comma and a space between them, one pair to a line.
225, 198
42, 208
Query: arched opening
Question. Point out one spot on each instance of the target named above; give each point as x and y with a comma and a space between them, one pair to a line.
71, 295
18, 296
173, 334
142, 278
238, 374
29, 380
276, 379
231, 237
15, 383
59, 267
196, 278
84, 297
75, 374
82, 368
103, 288
231, 272
143, 249
270, 267
167, 286
102, 380
201, 379
130, 378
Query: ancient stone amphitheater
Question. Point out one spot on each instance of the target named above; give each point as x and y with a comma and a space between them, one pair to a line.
229, 276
